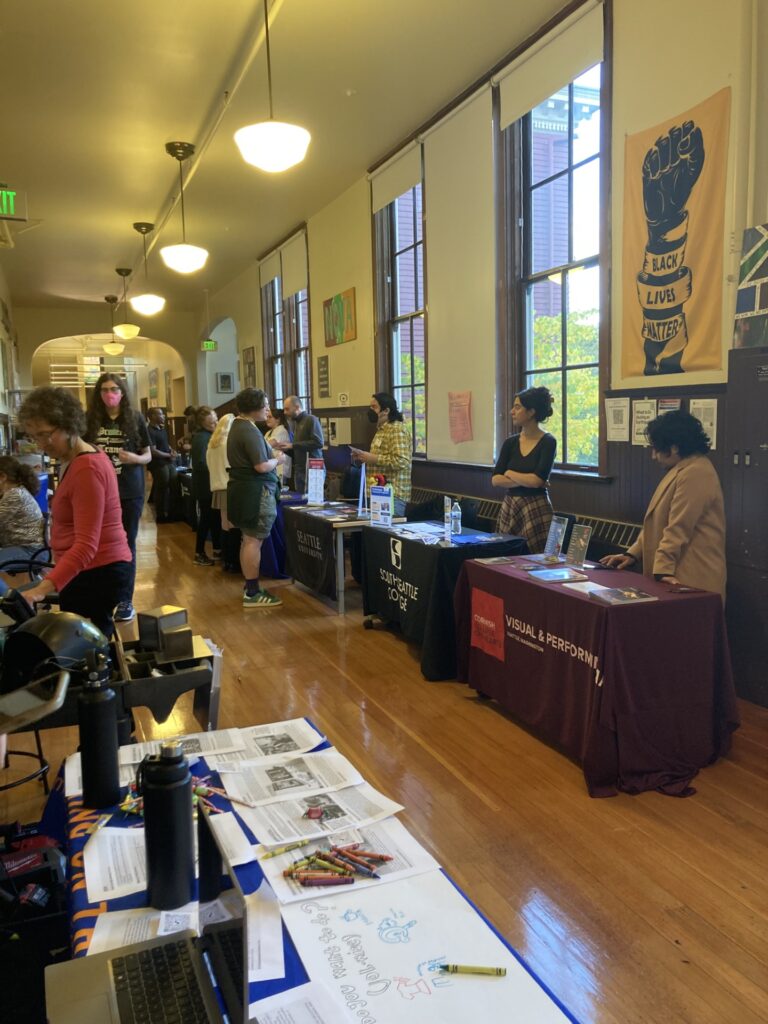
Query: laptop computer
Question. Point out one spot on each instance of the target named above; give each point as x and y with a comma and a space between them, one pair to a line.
176, 979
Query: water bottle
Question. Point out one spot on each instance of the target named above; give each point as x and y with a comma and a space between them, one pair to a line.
455, 518
165, 783
97, 718
447, 526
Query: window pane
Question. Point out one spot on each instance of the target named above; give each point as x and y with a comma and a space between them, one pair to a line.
583, 399
544, 328
586, 114
400, 355
302, 324
583, 316
419, 349
405, 284
419, 277
549, 227
279, 342
277, 382
418, 213
419, 426
586, 210
549, 137
302, 375
554, 425
404, 221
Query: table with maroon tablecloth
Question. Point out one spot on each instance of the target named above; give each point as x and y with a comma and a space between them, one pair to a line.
640, 695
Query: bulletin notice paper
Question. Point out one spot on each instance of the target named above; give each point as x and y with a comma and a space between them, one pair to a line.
460, 416
114, 860
306, 1004
617, 419
705, 411
643, 411
379, 950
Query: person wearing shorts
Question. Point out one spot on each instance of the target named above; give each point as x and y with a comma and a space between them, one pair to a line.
252, 490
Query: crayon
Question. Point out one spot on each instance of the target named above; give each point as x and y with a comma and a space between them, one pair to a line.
349, 846
285, 849
496, 972
315, 874
362, 869
331, 859
369, 855
334, 869
330, 880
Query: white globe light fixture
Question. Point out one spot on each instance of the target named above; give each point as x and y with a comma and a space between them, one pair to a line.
271, 145
147, 304
126, 331
183, 258
112, 348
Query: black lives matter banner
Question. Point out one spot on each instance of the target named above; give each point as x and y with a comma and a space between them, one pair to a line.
310, 555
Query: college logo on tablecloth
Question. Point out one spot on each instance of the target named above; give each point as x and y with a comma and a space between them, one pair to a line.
488, 623
396, 552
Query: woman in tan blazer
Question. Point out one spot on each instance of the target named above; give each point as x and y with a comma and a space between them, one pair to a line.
683, 534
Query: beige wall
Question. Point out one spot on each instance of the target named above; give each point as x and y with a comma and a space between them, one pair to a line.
241, 300
340, 257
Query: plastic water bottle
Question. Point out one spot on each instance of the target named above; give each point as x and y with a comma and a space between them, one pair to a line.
165, 783
447, 519
456, 518
97, 719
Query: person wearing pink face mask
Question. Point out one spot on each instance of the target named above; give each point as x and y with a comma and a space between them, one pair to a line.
122, 434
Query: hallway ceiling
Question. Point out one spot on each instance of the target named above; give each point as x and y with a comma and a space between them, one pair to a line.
93, 91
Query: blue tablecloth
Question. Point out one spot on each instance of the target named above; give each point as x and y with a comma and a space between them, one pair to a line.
273, 548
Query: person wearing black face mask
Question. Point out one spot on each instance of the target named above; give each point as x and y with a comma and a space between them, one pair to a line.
307, 441
391, 451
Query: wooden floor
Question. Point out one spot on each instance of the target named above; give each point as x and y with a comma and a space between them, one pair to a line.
633, 910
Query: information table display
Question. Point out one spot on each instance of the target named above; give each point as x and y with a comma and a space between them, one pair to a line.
370, 951
273, 548
641, 694
409, 576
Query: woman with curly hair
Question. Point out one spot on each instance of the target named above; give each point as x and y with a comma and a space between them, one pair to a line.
21, 521
523, 467
683, 534
122, 434
93, 560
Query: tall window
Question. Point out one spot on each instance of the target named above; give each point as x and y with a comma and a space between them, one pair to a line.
285, 324
403, 298
560, 283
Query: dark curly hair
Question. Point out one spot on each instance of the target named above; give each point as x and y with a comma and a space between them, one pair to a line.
19, 474
97, 415
538, 401
680, 429
56, 406
389, 405
250, 400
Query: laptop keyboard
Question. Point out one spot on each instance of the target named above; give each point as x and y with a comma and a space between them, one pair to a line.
158, 986
229, 942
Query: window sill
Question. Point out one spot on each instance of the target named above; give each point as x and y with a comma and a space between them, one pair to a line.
581, 475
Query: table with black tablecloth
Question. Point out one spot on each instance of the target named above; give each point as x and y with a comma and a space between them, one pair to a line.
410, 582
640, 695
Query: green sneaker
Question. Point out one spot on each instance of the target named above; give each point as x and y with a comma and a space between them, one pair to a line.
261, 599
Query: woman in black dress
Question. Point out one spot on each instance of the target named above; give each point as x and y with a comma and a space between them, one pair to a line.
523, 468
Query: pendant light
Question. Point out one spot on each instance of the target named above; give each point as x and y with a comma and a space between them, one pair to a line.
147, 304
112, 348
183, 258
125, 331
272, 145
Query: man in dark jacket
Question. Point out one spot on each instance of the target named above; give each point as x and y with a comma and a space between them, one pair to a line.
162, 464
307, 441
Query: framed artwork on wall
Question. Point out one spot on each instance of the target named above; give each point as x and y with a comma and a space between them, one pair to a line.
249, 367
225, 383
167, 385
153, 379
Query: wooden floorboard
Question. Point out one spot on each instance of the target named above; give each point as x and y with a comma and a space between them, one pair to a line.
633, 910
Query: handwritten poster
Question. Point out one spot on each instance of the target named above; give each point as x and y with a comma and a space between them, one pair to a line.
460, 416
379, 950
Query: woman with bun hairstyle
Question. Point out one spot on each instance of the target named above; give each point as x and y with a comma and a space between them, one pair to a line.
523, 467
21, 521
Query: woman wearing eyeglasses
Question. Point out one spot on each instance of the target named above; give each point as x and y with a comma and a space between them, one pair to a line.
113, 426
93, 560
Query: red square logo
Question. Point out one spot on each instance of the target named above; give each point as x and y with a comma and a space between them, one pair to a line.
488, 623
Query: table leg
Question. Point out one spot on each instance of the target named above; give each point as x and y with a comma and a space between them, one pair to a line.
340, 574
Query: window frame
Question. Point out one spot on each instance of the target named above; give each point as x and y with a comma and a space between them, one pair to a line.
281, 319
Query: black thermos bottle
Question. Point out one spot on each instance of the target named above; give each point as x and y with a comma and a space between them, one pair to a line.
165, 783
97, 718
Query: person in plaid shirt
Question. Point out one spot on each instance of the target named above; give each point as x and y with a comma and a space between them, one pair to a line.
391, 451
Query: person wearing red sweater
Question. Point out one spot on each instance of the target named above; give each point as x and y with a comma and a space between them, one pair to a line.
90, 549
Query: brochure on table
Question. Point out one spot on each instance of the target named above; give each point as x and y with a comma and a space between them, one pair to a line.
382, 505
315, 481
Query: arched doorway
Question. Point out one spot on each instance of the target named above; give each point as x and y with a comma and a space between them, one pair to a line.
218, 375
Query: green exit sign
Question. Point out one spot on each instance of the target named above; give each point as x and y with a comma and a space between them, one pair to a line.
13, 204
209, 345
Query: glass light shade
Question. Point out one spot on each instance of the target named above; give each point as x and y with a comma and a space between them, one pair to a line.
272, 145
125, 331
183, 258
113, 348
148, 304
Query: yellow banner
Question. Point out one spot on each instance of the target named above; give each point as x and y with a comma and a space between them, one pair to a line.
672, 257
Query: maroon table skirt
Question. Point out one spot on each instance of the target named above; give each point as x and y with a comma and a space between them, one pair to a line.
641, 696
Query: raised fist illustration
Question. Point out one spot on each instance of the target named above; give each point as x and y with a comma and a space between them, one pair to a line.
670, 170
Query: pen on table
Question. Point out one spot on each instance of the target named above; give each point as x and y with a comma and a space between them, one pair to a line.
98, 824
496, 972
285, 849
